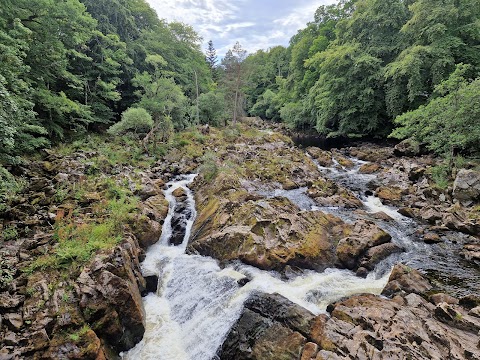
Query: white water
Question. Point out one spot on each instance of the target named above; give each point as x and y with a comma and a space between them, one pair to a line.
197, 302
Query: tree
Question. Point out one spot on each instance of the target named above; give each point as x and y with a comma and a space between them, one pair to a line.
136, 119
211, 58
162, 98
347, 98
212, 108
233, 64
20, 130
450, 120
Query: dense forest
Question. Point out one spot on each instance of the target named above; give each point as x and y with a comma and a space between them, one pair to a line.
402, 68
370, 67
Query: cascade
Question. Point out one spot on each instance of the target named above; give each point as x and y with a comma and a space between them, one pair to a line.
197, 302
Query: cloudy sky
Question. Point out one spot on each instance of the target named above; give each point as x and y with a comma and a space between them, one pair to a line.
256, 24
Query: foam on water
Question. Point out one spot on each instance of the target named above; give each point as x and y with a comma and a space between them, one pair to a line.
197, 302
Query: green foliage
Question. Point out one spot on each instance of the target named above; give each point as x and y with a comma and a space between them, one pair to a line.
9, 233
77, 335
440, 175
136, 119
346, 100
161, 96
448, 121
73, 66
78, 242
209, 167
293, 114
267, 106
361, 64
7, 273
212, 108
234, 79
9, 187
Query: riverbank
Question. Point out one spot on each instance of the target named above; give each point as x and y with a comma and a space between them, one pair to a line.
273, 215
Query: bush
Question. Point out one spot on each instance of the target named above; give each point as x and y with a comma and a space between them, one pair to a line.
209, 167
9, 186
137, 120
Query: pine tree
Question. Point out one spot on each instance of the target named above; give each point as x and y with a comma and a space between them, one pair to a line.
211, 58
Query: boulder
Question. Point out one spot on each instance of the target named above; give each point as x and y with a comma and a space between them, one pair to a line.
389, 194
156, 208
466, 187
147, 231
268, 233
323, 158
369, 168
268, 329
365, 235
405, 280
407, 147
110, 296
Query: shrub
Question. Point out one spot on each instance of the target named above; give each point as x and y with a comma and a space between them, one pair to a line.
137, 120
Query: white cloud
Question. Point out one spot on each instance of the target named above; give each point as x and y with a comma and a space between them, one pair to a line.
256, 24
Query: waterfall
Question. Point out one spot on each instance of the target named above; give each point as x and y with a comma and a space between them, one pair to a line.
197, 302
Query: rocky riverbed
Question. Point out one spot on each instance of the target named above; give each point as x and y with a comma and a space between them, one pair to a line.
272, 215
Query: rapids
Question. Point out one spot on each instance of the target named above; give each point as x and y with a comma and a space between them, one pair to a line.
197, 302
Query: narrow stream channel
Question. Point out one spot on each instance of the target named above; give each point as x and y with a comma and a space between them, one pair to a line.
197, 302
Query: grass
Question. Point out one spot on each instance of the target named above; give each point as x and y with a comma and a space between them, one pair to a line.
440, 175
9, 233
6, 274
79, 239
77, 335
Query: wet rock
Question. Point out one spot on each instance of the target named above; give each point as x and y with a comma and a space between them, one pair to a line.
151, 284
157, 206
377, 253
362, 272
405, 280
389, 194
407, 147
407, 212
179, 193
352, 249
344, 162
179, 225
259, 335
278, 308
269, 234
466, 187
369, 168
147, 231
431, 238
324, 158
243, 281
